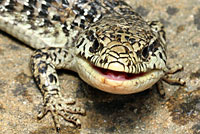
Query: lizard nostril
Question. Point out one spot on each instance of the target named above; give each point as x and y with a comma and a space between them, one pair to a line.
105, 60
129, 62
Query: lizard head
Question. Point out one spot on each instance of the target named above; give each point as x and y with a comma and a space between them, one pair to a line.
123, 52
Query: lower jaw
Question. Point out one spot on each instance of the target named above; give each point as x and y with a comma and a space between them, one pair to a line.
133, 85
128, 86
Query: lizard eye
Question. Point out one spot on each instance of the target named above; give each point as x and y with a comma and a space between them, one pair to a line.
145, 53
95, 46
149, 49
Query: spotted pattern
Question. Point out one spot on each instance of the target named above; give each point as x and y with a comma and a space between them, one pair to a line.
79, 34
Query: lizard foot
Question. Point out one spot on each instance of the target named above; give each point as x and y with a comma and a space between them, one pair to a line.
168, 78
58, 106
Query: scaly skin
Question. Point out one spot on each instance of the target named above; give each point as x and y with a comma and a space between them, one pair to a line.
109, 45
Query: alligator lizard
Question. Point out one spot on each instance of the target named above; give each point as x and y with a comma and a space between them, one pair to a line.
109, 45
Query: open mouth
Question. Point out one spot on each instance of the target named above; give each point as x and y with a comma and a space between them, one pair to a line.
115, 75
117, 82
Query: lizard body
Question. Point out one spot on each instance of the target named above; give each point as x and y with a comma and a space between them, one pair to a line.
109, 45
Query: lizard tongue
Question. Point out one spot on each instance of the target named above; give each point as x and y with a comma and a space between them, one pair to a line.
114, 75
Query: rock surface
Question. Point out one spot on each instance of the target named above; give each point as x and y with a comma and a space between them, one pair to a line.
142, 113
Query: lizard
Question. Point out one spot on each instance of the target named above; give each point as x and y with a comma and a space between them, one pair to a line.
109, 45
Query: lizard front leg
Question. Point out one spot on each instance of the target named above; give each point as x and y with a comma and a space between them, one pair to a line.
44, 64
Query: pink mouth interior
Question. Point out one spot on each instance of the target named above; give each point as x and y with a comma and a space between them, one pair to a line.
115, 75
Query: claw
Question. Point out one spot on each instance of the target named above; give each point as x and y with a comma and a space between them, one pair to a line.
58, 106
42, 113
